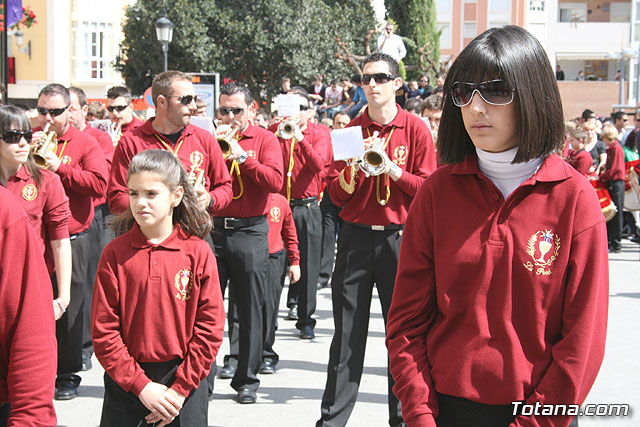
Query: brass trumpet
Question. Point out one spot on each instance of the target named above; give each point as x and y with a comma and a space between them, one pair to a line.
48, 142
373, 159
287, 128
225, 139
196, 179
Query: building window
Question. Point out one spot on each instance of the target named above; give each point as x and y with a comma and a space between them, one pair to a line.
92, 50
469, 30
536, 5
572, 12
443, 7
620, 12
445, 35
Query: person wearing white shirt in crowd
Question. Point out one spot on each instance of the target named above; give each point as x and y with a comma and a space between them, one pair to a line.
390, 43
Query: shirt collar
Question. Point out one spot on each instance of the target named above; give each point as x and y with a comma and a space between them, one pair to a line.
147, 129
22, 174
250, 131
399, 121
553, 169
138, 240
70, 134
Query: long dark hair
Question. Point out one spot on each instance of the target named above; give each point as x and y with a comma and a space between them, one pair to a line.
12, 117
512, 54
188, 214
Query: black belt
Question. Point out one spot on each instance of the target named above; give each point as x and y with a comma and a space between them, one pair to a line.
302, 202
75, 236
390, 227
234, 223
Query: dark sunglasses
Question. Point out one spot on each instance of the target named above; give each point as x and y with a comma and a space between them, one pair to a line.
495, 92
304, 107
53, 111
226, 110
380, 78
186, 99
14, 136
118, 108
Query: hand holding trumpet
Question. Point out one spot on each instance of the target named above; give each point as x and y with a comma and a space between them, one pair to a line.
375, 160
228, 134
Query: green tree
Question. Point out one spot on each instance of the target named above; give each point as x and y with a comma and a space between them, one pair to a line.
416, 23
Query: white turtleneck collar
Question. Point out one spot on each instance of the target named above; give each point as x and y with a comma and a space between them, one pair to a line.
504, 174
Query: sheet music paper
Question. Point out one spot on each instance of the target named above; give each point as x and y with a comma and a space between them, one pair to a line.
203, 122
347, 143
288, 105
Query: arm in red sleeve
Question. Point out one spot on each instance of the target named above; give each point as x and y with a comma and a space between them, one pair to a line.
56, 210
339, 187
578, 354
118, 191
290, 237
27, 327
615, 164
106, 144
219, 179
89, 178
411, 315
317, 156
268, 171
424, 162
109, 346
208, 331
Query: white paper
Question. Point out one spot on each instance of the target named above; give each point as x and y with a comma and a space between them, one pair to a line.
288, 105
203, 122
104, 125
347, 143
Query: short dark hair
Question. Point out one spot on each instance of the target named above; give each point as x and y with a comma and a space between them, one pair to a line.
300, 91
413, 105
356, 78
618, 115
342, 113
432, 102
264, 113
587, 114
119, 91
512, 54
161, 84
82, 97
394, 68
286, 79
233, 88
96, 109
54, 89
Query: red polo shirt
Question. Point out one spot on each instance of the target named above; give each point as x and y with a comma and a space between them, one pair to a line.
156, 303
411, 147
581, 161
134, 124
499, 301
311, 157
27, 329
615, 168
106, 143
282, 229
195, 147
83, 173
261, 174
46, 205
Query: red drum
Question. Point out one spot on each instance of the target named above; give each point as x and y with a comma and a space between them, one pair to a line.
628, 167
606, 204
632, 195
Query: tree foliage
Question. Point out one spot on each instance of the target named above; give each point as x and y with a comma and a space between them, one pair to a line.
255, 42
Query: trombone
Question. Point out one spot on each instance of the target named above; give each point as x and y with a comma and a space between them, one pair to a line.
47, 143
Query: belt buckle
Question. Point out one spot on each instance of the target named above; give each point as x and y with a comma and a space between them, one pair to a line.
229, 223
377, 227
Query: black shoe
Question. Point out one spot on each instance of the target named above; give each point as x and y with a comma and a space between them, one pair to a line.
267, 367
86, 362
66, 389
227, 372
293, 313
246, 395
307, 333
635, 239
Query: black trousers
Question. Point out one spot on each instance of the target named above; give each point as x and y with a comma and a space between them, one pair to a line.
96, 242
614, 227
308, 220
331, 223
124, 409
242, 254
70, 326
365, 257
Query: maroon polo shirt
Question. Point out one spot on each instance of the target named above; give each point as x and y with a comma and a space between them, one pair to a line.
28, 348
499, 301
282, 228
196, 147
615, 168
46, 205
106, 143
410, 146
261, 174
134, 124
581, 161
156, 303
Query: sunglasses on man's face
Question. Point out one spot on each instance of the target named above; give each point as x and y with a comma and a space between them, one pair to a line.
118, 108
226, 110
53, 111
304, 107
186, 99
494, 92
14, 136
380, 78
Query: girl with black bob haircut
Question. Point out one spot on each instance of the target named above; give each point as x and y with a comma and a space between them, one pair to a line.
500, 300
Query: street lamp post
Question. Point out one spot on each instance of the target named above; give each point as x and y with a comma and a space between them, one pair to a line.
164, 32
621, 56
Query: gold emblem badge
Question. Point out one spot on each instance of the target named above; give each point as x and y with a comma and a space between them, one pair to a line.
251, 153
543, 247
66, 160
275, 214
184, 283
400, 154
197, 158
29, 192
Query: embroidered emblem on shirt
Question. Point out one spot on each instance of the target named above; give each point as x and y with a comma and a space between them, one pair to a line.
400, 154
29, 192
275, 214
197, 158
66, 160
543, 247
184, 283
251, 153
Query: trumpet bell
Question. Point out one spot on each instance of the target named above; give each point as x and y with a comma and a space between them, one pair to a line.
48, 143
224, 140
225, 147
287, 128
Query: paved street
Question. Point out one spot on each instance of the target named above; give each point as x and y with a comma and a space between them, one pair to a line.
292, 396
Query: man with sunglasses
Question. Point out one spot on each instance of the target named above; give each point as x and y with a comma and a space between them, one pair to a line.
174, 97
120, 109
241, 236
374, 212
82, 167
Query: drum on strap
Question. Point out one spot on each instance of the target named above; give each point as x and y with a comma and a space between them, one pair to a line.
632, 186
609, 210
